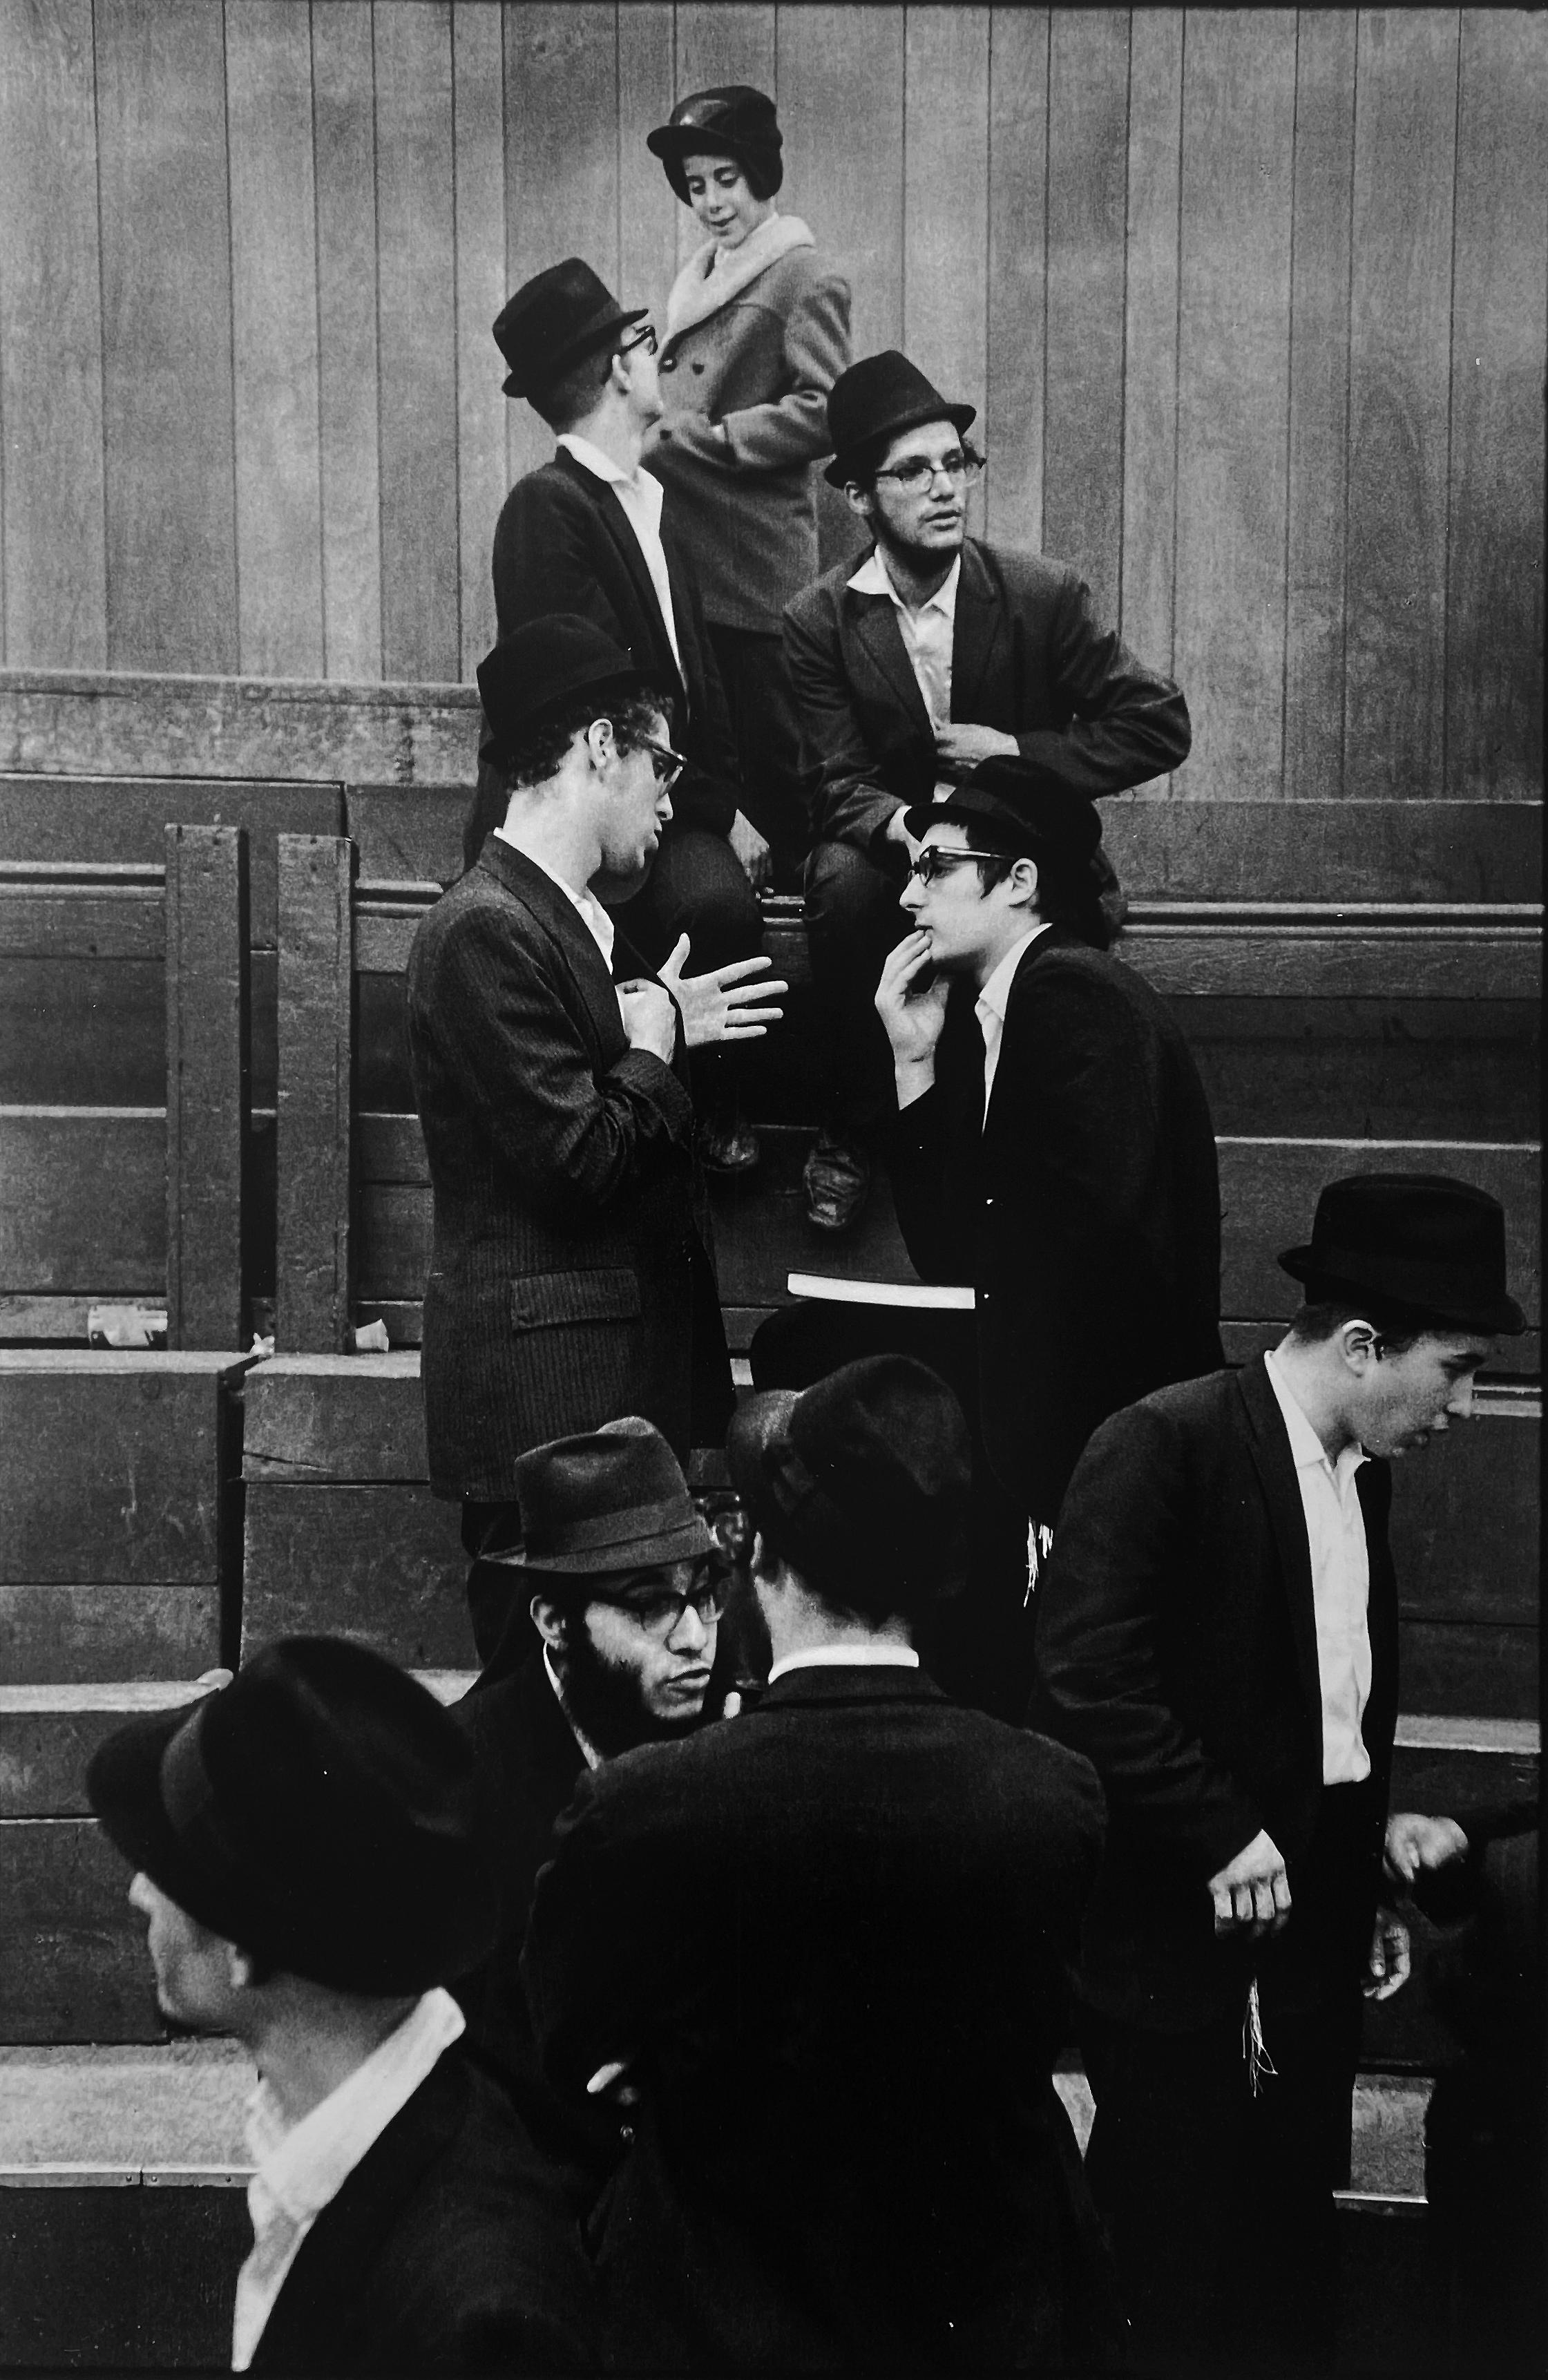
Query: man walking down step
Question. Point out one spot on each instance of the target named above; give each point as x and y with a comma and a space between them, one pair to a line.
1053, 1147
588, 533
570, 1278
827, 1939
1217, 1631
311, 1858
939, 652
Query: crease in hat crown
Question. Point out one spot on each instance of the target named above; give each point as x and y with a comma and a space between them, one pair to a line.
555, 318
604, 1500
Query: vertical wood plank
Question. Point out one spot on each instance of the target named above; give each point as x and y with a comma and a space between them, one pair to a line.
417, 320
316, 955
560, 163
1399, 400
1018, 273
1233, 398
273, 254
647, 212
208, 1040
1150, 338
1088, 137
344, 118
1319, 405
1493, 736
54, 564
166, 337
946, 205
478, 94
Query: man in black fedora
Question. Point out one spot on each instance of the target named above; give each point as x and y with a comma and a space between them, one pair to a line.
1053, 1147
310, 1855
937, 653
588, 533
1217, 1630
570, 1277
826, 1940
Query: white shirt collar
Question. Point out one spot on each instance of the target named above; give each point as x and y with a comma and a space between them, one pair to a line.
602, 466
593, 916
590, 1753
1306, 1448
874, 578
995, 993
847, 1657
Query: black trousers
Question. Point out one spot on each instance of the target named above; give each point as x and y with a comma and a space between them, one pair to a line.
1219, 2200
766, 732
852, 920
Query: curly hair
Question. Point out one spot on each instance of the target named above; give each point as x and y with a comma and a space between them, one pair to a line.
537, 753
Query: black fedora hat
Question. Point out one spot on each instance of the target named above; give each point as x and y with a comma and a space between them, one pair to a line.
612, 1498
879, 398
321, 1810
537, 669
862, 1481
1019, 807
733, 120
554, 320
1430, 1246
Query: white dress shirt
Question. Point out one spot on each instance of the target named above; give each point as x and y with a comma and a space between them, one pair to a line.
598, 923
847, 1657
1340, 1585
927, 634
641, 499
992, 1003
302, 2167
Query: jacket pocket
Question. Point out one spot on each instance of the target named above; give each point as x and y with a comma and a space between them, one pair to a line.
540, 1301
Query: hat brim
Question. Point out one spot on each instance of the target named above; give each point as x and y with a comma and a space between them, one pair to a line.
123, 1788
689, 1542
1498, 1318
961, 417
602, 691
925, 815
524, 383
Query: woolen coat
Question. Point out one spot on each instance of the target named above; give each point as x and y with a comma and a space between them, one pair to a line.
1084, 1210
564, 543
761, 365
570, 1276
1177, 1647
832, 1935
1028, 656
447, 2250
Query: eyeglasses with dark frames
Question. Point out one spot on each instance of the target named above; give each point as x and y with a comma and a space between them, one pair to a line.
659, 1610
961, 467
644, 337
936, 862
668, 765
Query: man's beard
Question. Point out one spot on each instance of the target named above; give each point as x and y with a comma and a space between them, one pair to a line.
606, 1702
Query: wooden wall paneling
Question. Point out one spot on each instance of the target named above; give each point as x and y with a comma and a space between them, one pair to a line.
417, 320
478, 127
62, 1630
1465, 1523
64, 1894
1233, 392
647, 212
946, 205
1013, 424
1484, 1671
344, 120
1319, 403
383, 1565
53, 559
275, 315
208, 1083
1088, 137
1150, 335
315, 1043
722, 42
560, 163
52, 1733
58, 1233
338, 1418
1494, 655
166, 337
1333, 851
1400, 397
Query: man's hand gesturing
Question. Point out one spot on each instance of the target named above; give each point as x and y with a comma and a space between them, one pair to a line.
650, 1018
722, 1005
1252, 1890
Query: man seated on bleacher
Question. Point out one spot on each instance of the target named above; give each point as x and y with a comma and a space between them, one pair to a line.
312, 1858
937, 652
588, 533
1217, 1631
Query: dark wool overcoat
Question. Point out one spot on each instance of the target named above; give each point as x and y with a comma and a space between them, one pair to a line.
1085, 1210
1028, 656
1177, 1647
832, 1935
570, 1278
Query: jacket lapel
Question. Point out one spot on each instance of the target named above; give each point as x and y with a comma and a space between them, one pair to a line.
614, 519
1270, 1445
980, 627
562, 920
875, 629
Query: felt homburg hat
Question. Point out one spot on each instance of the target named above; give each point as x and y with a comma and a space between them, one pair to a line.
536, 670
610, 1500
1431, 1247
879, 398
554, 320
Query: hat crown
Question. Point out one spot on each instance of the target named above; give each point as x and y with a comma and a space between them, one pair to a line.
606, 1500
1424, 1242
551, 322
538, 667
882, 395
735, 109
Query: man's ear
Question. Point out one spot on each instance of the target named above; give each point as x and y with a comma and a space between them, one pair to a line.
550, 1620
1359, 1344
860, 500
1024, 882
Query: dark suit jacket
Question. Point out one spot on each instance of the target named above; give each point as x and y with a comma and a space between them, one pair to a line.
564, 543
1177, 1647
1085, 1212
447, 2250
570, 1280
833, 1934
1028, 656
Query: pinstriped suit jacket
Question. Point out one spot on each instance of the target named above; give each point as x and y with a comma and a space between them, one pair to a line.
570, 1278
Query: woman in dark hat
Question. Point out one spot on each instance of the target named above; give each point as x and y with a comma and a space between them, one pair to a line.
756, 332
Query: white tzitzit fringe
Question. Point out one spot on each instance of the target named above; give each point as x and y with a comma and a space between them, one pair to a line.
1259, 2062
